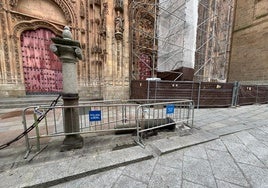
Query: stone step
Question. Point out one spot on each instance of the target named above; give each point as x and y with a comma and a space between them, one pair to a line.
23, 102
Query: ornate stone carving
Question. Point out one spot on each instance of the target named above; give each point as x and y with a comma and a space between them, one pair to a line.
103, 20
5, 45
119, 6
34, 24
96, 50
13, 3
82, 10
119, 26
17, 17
65, 8
96, 2
17, 57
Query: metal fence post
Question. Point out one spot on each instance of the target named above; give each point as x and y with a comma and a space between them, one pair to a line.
257, 94
37, 133
235, 94
26, 135
199, 91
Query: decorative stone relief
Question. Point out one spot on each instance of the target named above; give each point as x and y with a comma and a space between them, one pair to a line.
34, 24
119, 28
119, 21
119, 6
5, 44
16, 17
103, 20
82, 10
13, 3
64, 5
65, 8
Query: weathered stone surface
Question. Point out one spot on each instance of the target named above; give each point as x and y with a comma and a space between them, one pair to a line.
248, 57
257, 176
57, 171
227, 169
164, 176
198, 171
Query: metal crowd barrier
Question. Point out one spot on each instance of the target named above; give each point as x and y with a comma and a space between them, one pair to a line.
106, 116
168, 115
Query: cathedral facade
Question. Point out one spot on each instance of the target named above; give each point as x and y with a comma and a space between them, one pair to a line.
28, 67
121, 40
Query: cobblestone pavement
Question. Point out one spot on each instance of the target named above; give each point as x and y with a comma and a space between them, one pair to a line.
228, 148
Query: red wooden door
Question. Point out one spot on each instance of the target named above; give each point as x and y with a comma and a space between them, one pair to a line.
42, 69
145, 66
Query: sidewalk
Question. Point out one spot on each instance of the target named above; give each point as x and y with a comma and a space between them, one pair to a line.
228, 148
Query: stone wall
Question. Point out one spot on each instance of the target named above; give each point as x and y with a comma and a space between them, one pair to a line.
249, 55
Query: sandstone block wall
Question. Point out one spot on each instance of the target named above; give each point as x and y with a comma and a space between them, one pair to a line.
249, 52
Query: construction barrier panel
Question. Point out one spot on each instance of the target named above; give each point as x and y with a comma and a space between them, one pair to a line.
165, 115
100, 116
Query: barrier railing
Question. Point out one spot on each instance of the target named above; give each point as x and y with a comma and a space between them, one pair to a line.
93, 118
106, 116
168, 115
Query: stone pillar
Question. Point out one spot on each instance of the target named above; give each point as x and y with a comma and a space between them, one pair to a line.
69, 51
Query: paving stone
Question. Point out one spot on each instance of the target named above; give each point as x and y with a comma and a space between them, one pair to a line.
224, 168
198, 171
187, 184
229, 129
215, 125
259, 134
103, 179
223, 184
231, 138
264, 128
258, 177
173, 160
259, 149
242, 154
176, 142
215, 145
197, 151
141, 171
164, 176
125, 181
56, 171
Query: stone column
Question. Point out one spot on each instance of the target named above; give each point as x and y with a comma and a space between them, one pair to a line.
69, 51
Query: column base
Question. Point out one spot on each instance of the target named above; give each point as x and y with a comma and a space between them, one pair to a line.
72, 142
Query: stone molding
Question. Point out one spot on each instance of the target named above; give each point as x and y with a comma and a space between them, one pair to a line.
64, 5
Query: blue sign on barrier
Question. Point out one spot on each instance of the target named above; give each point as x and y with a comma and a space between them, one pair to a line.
95, 115
170, 109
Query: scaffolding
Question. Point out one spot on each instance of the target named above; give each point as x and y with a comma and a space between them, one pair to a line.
215, 18
170, 34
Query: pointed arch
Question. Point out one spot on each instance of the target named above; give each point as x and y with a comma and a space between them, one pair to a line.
69, 12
